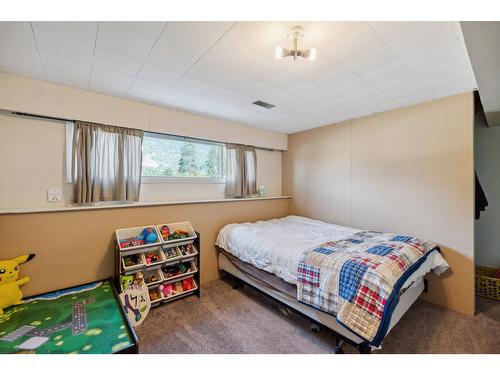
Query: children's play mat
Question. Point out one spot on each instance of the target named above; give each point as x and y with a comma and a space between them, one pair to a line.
84, 319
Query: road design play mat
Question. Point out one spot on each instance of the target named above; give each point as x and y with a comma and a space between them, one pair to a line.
85, 319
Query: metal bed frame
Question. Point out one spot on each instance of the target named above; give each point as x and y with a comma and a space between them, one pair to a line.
242, 278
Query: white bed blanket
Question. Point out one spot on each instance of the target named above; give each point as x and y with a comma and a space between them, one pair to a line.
277, 245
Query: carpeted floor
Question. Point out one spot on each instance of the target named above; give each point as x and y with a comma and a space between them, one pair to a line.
242, 321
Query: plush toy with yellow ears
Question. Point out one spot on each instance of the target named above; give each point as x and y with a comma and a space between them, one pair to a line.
10, 294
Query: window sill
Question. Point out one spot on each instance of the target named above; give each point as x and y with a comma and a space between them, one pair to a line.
182, 180
114, 205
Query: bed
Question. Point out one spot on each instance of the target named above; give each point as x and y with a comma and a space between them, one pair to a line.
267, 254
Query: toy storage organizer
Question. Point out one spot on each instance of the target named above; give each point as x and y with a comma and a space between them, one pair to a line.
172, 262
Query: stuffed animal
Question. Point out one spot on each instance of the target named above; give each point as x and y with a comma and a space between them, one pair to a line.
149, 235
138, 278
126, 281
10, 294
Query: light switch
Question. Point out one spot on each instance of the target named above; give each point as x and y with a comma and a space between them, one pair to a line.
54, 195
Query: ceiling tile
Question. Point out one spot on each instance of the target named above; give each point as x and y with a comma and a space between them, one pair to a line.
336, 78
169, 58
145, 90
458, 66
228, 96
259, 37
394, 76
108, 59
156, 74
123, 37
311, 92
193, 37
147, 29
19, 54
68, 72
358, 90
16, 33
437, 57
285, 80
190, 85
52, 42
391, 31
381, 104
109, 82
76, 29
245, 61
436, 36
355, 45
377, 60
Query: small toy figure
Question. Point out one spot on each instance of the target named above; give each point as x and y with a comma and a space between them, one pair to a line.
10, 294
178, 234
151, 279
131, 260
154, 295
165, 232
138, 278
169, 252
152, 257
131, 242
186, 284
166, 289
178, 287
126, 281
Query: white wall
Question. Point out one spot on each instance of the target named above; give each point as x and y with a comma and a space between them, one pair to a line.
487, 164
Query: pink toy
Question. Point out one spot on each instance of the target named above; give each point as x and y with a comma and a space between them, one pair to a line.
166, 289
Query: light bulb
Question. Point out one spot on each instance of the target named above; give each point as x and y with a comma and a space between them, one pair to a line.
312, 54
278, 54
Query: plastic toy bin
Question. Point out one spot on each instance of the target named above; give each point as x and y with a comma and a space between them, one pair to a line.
189, 264
184, 225
155, 291
156, 253
141, 262
150, 274
131, 234
174, 294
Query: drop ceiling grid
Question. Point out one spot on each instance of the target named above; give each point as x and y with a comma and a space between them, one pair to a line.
219, 68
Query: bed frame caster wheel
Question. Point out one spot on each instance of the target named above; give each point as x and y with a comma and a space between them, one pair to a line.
285, 312
235, 282
314, 328
338, 345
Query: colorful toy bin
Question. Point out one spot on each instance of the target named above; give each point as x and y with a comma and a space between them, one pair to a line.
177, 234
137, 237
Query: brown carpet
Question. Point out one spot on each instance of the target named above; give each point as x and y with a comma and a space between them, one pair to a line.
243, 321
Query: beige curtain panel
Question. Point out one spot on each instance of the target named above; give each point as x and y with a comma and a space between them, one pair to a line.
107, 163
241, 171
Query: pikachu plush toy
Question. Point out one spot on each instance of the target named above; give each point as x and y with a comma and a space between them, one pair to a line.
10, 294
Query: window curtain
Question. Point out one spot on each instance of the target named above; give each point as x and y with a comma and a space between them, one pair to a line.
241, 171
106, 163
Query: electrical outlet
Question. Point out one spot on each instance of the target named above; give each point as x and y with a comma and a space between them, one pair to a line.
54, 195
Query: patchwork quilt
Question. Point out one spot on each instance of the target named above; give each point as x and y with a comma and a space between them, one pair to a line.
358, 278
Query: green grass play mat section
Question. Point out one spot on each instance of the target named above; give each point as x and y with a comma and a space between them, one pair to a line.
85, 319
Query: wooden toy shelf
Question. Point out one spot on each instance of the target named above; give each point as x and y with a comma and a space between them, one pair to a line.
191, 261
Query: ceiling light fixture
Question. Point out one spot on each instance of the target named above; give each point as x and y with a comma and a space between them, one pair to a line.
296, 32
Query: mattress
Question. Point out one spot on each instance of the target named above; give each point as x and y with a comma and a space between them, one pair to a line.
276, 246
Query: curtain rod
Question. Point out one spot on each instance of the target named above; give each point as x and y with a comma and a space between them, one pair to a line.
146, 131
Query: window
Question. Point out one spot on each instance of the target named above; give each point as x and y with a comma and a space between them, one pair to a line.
178, 158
